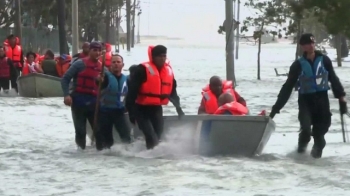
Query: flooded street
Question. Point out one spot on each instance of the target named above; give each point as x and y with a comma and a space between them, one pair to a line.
38, 155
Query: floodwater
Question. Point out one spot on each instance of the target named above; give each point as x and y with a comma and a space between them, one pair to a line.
38, 155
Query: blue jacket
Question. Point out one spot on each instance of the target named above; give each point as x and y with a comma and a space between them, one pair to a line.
313, 78
112, 97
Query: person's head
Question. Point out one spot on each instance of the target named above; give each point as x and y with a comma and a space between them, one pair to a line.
117, 64
2, 51
307, 43
49, 55
225, 98
215, 85
159, 55
30, 57
12, 39
95, 50
86, 47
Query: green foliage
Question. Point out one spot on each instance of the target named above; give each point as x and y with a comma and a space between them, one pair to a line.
333, 14
268, 14
6, 12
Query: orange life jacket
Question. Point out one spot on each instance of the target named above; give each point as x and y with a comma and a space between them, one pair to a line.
37, 58
211, 102
14, 53
234, 108
86, 79
4, 68
157, 89
26, 70
108, 59
226, 84
62, 67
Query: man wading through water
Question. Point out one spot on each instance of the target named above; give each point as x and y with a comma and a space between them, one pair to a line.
152, 86
82, 100
313, 72
112, 109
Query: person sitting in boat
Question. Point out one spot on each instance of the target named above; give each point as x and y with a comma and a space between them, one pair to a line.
211, 93
30, 66
228, 106
49, 64
62, 64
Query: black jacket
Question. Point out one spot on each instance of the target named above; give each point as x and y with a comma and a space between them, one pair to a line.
138, 78
293, 76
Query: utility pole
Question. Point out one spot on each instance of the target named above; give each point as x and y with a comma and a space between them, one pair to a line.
229, 28
237, 31
138, 23
128, 25
133, 25
108, 21
118, 18
61, 26
75, 27
18, 20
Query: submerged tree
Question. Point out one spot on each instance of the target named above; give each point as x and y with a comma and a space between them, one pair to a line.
269, 13
333, 14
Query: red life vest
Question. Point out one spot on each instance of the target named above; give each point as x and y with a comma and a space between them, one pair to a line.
14, 53
211, 102
4, 68
226, 84
234, 108
86, 79
157, 89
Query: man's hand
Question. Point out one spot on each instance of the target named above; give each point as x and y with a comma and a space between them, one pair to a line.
67, 100
100, 77
180, 113
343, 108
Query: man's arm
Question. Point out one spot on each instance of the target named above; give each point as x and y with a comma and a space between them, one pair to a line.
337, 87
240, 99
138, 79
287, 87
13, 73
174, 97
201, 109
73, 70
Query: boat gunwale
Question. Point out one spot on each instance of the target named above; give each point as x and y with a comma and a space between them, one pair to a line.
39, 75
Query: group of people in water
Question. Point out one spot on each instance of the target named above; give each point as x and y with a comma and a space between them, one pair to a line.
141, 94
14, 63
151, 85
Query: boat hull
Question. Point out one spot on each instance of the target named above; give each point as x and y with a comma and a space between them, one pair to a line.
37, 85
218, 135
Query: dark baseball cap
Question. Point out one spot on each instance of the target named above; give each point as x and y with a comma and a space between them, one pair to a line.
95, 45
306, 38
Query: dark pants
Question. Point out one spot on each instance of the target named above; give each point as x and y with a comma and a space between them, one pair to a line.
106, 120
150, 121
315, 120
80, 116
4, 84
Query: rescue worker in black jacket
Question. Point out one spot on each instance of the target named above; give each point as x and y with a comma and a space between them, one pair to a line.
152, 86
312, 72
